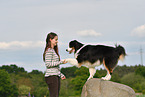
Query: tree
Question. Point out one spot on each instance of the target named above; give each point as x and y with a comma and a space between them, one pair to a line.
36, 72
140, 70
123, 70
7, 89
78, 82
137, 82
24, 90
13, 68
69, 71
67, 88
23, 84
41, 92
115, 77
38, 81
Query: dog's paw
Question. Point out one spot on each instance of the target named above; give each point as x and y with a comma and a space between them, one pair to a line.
66, 60
103, 78
106, 78
89, 78
63, 60
72, 61
78, 66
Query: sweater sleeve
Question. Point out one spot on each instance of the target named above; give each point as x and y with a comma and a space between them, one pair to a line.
49, 61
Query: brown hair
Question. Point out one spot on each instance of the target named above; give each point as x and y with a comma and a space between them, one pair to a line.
51, 35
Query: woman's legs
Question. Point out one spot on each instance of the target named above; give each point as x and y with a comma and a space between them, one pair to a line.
53, 83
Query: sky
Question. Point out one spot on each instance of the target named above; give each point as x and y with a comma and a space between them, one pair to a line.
24, 25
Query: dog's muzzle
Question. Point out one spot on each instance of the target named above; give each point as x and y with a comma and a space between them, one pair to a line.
70, 50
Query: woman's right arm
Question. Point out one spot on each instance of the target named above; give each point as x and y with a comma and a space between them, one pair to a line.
48, 60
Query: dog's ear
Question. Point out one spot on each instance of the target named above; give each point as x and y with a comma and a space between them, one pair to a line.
73, 43
75, 40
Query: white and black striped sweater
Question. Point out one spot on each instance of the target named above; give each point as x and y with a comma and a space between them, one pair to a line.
52, 63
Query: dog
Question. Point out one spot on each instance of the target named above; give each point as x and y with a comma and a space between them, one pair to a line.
95, 55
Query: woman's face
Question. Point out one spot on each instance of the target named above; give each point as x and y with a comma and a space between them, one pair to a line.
54, 41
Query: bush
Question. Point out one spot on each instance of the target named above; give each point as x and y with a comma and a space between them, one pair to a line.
137, 82
7, 89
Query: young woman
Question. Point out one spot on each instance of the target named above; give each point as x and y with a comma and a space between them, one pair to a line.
52, 61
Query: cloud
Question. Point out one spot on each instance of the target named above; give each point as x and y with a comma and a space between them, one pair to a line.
139, 31
24, 45
88, 33
21, 44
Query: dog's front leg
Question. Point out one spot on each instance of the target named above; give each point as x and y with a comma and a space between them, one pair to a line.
92, 72
72, 61
107, 77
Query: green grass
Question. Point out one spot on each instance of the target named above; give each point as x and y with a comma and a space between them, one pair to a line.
71, 96
140, 95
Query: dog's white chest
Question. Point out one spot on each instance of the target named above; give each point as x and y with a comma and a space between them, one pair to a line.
89, 65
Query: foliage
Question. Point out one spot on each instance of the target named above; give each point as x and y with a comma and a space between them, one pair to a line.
36, 72
41, 91
7, 89
137, 82
140, 70
82, 76
13, 78
67, 88
123, 70
78, 83
24, 90
116, 78
69, 71
13, 69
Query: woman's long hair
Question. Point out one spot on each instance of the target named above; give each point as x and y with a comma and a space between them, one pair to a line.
51, 35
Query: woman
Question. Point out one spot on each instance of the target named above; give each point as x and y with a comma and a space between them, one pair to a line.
52, 61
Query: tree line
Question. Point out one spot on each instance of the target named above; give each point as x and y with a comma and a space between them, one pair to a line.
16, 81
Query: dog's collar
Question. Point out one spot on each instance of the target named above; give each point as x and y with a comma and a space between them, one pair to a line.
76, 54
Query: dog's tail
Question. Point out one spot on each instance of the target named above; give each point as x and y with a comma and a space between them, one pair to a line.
121, 52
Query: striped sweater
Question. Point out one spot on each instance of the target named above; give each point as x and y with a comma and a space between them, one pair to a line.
52, 63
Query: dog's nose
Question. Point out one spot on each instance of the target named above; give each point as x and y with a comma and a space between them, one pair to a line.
67, 50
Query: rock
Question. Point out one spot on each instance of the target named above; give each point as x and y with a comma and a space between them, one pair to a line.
99, 88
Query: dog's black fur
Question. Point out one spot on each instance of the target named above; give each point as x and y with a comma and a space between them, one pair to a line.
107, 55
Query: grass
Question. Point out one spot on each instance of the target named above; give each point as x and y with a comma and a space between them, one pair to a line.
140, 95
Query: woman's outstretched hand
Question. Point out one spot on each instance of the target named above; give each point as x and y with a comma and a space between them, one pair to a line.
63, 78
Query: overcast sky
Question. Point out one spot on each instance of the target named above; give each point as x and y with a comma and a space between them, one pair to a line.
24, 25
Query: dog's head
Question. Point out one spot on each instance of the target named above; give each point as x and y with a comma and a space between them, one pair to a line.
73, 46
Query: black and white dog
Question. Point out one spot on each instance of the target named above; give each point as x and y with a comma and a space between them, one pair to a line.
95, 55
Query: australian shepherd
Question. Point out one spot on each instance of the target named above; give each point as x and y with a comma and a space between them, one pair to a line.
95, 55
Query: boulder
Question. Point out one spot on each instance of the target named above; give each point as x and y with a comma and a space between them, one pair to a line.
99, 88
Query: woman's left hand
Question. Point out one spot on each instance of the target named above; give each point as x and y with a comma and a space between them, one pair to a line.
63, 78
